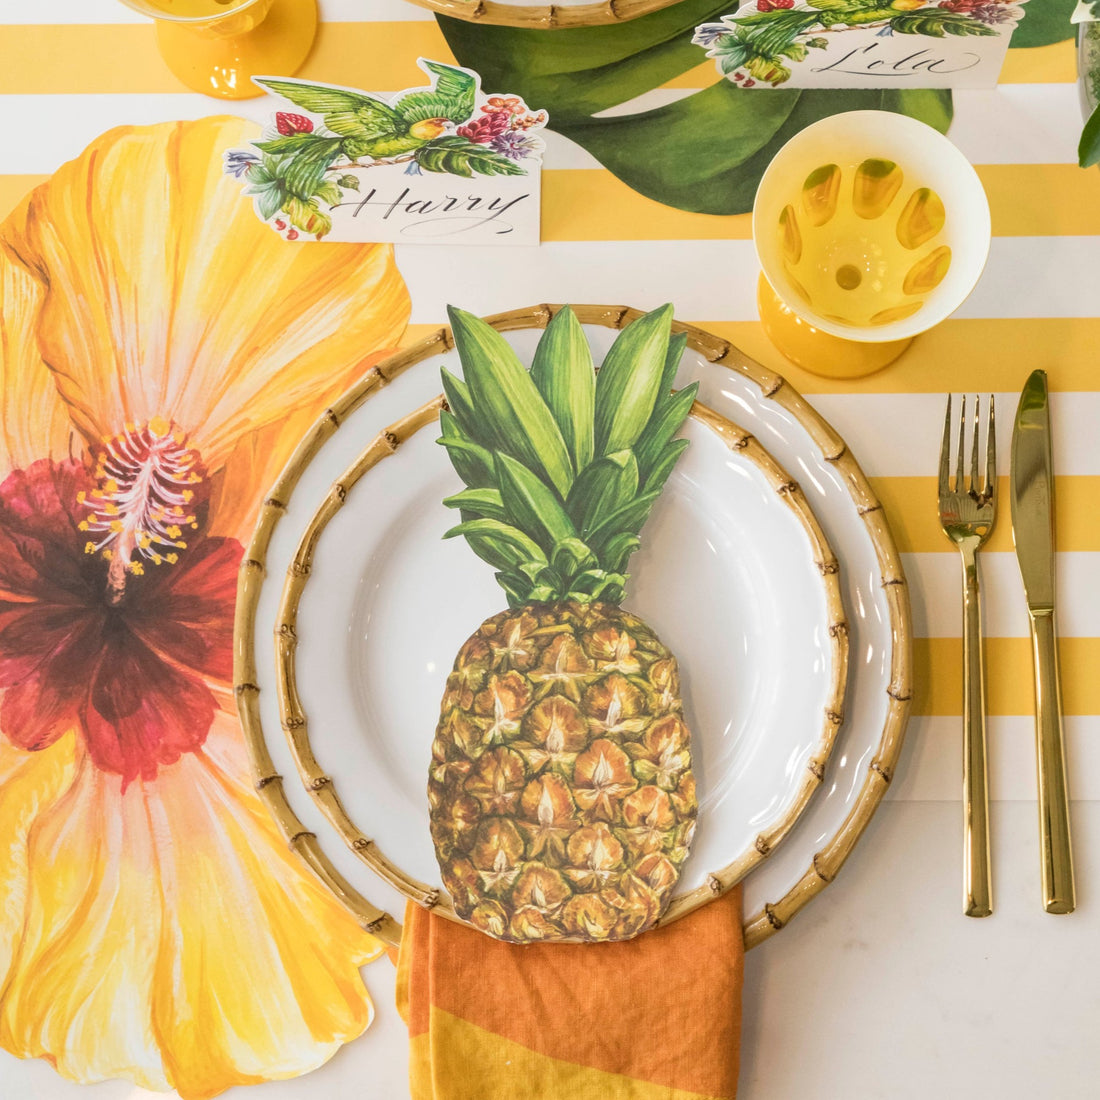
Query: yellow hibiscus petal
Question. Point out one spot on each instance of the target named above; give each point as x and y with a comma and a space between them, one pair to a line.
29, 781
34, 422
172, 938
168, 297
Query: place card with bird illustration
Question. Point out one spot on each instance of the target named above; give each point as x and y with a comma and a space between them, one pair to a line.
444, 163
862, 43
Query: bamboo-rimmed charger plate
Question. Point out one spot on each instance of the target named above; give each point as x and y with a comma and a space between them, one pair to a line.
542, 16
735, 576
773, 412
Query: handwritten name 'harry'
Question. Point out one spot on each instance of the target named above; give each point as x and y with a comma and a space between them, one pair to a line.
444, 215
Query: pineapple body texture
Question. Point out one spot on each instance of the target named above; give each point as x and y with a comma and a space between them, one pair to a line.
561, 792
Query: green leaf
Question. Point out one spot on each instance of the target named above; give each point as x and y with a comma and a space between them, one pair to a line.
938, 22
462, 406
626, 520
703, 153
1088, 149
577, 72
602, 488
269, 202
289, 143
483, 503
329, 192
655, 482
669, 416
505, 539
306, 169
459, 156
563, 372
1044, 23
570, 556
510, 412
531, 505
307, 216
617, 551
677, 344
349, 182
629, 381
473, 463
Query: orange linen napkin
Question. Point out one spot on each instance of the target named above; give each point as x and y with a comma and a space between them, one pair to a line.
655, 1018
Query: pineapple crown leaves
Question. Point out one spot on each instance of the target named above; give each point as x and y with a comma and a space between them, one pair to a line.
563, 463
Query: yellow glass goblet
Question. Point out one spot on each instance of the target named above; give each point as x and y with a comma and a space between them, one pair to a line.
217, 46
870, 227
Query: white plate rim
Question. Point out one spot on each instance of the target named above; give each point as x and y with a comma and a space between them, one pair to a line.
825, 863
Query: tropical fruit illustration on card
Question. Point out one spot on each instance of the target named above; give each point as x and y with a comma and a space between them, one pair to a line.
561, 792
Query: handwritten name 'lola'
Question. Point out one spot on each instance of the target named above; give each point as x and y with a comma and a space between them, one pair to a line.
446, 216
868, 61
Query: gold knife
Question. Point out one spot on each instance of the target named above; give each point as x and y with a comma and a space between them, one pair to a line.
1033, 534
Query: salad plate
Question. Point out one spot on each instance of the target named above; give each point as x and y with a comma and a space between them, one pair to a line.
735, 577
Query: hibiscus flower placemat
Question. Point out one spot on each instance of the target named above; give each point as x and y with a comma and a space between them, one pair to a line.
161, 352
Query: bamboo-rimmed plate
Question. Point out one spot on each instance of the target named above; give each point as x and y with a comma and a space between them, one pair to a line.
543, 16
735, 576
874, 590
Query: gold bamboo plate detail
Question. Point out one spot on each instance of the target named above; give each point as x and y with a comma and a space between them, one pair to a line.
825, 863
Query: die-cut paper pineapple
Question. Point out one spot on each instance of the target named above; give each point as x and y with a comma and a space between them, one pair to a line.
561, 790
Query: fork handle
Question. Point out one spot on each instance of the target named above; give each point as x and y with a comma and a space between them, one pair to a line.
977, 877
1054, 834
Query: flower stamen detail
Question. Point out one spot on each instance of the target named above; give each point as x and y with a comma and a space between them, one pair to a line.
145, 479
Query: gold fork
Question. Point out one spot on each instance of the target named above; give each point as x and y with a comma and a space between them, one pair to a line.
967, 515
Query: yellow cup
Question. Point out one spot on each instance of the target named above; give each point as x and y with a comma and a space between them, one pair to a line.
218, 53
870, 228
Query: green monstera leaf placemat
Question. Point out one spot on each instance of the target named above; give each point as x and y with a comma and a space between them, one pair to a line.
704, 153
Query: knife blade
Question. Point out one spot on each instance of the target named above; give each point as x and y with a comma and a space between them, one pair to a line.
1032, 494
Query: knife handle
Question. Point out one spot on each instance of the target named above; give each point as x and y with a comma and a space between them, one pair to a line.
977, 877
1054, 834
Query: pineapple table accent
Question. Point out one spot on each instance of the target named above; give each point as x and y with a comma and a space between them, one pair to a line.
561, 794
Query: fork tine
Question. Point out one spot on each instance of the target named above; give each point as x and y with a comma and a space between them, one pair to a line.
974, 486
962, 445
945, 452
991, 452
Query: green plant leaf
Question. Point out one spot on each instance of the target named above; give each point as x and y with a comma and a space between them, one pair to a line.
1044, 23
630, 379
570, 556
627, 520
670, 414
705, 152
617, 551
1088, 149
481, 503
939, 22
269, 202
459, 156
655, 482
563, 372
602, 488
510, 413
288, 143
677, 344
509, 545
462, 406
531, 505
473, 463
306, 170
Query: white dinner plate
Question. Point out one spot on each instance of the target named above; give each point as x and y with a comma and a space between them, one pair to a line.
734, 575
726, 577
